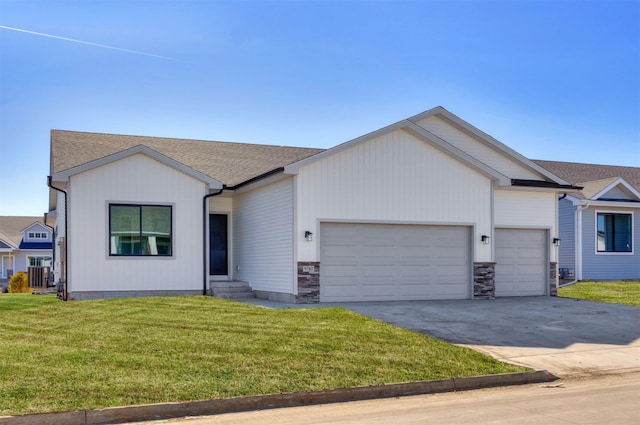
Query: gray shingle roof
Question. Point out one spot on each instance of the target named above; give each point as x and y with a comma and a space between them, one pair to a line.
230, 163
593, 177
10, 227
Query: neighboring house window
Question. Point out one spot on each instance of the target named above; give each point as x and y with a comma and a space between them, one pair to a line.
39, 261
36, 235
614, 232
140, 230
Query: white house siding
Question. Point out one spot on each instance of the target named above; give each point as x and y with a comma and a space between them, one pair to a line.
527, 210
135, 179
476, 149
394, 178
608, 265
263, 237
567, 235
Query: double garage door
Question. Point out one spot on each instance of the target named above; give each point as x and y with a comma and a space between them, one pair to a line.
384, 262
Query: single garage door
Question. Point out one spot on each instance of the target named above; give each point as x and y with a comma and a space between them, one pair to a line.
385, 262
521, 262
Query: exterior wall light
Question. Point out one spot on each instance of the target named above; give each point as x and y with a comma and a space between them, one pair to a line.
485, 239
308, 236
556, 241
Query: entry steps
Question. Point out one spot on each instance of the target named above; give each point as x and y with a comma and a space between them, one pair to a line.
231, 289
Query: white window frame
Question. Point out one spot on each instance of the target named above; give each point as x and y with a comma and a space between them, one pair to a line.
43, 257
633, 242
7, 259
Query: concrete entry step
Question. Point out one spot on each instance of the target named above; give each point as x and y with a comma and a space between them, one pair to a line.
231, 290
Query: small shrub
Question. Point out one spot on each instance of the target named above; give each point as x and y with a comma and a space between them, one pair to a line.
19, 283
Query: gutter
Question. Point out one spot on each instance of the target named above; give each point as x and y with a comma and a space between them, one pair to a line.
66, 236
205, 212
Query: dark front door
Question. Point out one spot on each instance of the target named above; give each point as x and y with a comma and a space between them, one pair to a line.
218, 258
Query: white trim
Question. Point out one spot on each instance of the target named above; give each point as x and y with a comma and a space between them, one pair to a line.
618, 181
608, 253
139, 149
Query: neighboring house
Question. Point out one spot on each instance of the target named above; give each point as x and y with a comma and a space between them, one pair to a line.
427, 208
599, 225
24, 242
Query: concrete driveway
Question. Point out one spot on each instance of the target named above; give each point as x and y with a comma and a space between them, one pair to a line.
564, 336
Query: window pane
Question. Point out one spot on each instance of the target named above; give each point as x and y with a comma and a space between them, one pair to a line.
125, 229
156, 230
614, 233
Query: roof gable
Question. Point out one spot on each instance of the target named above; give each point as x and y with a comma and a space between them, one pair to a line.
616, 189
418, 132
36, 225
139, 149
483, 146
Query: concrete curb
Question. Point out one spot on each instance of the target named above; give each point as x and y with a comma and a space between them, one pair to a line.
271, 401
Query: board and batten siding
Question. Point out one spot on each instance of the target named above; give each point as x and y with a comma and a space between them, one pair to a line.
476, 149
263, 237
527, 210
610, 265
567, 235
137, 179
394, 178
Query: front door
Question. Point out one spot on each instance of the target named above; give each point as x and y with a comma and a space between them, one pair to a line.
218, 244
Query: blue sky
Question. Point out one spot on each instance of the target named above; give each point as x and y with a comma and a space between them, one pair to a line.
556, 80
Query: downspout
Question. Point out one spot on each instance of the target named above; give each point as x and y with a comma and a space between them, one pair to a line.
53, 233
66, 236
205, 213
578, 245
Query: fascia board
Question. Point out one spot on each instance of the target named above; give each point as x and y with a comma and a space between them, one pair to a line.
576, 201
611, 204
492, 142
456, 153
295, 167
618, 181
139, 149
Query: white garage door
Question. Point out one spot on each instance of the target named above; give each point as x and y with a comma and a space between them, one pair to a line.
384, 262
521, 262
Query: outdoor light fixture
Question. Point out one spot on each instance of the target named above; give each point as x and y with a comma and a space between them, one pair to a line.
485, 239
308, 236
556, 241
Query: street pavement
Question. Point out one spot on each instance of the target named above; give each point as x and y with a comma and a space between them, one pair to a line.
604, 399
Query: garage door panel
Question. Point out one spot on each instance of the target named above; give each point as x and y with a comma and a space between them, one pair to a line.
521, 262
395, 262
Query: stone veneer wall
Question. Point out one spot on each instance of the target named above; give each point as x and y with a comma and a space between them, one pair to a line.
308, 282
553, 279
484, 281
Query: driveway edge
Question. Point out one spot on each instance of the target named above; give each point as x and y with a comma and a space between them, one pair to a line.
149, 412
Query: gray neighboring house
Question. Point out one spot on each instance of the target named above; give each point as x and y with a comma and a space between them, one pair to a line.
599, 226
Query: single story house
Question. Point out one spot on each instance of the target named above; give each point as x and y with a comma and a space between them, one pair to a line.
599, 225
24, 242
429, 207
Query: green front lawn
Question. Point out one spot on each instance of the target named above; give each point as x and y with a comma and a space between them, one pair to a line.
608, 292
57, 356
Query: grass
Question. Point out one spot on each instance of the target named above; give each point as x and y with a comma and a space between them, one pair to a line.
619, 292
57, 356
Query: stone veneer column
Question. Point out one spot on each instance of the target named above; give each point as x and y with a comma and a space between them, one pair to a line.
553, 279
484, 281
308, 282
